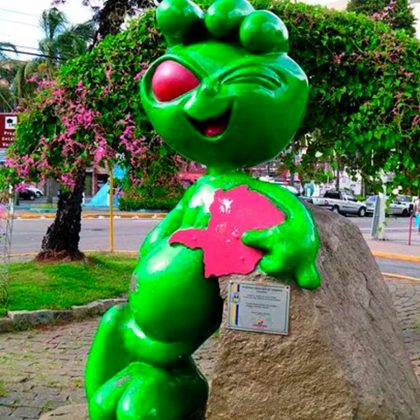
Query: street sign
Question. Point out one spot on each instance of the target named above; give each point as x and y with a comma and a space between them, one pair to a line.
8, 122
260, 308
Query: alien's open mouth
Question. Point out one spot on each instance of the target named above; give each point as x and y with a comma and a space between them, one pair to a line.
212, 127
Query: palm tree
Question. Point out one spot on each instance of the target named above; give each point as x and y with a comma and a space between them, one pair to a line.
7, 74
62, 41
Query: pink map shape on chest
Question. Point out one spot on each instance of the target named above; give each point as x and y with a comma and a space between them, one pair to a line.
233, 212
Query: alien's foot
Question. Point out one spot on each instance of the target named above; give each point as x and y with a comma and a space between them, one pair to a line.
142, 391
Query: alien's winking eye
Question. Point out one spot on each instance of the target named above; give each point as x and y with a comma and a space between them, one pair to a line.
172, 80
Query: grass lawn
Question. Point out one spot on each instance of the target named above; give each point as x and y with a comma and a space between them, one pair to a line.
2, 389
61, 285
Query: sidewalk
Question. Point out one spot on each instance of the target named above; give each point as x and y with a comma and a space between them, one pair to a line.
396, 248
42, 369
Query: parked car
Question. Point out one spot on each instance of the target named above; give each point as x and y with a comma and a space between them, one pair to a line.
291, 188
36, 190
401, 206
342, 202
27, 194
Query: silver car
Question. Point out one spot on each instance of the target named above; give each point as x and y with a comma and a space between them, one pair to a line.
397, 207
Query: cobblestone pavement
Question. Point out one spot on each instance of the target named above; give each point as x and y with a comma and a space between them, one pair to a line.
406, 298
43, 369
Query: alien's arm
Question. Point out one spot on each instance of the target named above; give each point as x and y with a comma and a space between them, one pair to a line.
292, 246
171, 223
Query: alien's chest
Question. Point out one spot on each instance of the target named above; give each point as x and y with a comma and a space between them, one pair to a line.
232, 213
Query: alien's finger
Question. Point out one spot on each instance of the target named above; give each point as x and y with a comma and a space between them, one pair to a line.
307, 276
273, 264
257, 239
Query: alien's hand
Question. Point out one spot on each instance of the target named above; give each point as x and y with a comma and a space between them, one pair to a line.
290, 248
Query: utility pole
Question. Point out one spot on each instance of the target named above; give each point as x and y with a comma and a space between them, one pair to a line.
6, 226
111, 208
378, 220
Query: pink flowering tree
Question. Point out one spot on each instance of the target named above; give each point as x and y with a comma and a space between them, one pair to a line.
398, 14
363, 105
91, 115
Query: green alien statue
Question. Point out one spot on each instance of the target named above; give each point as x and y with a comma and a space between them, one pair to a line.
227, 95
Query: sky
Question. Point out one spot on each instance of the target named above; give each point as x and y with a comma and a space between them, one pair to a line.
19, 20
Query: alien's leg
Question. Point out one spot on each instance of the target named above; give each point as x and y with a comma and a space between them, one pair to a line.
108, 354
160, 394
142, 391
173, 309
103, 403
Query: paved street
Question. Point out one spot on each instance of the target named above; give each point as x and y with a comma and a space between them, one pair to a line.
43, 369
129, 234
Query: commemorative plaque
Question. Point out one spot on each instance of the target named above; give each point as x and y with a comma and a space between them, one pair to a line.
258, 307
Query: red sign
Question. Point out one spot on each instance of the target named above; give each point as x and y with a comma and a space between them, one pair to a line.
8, 122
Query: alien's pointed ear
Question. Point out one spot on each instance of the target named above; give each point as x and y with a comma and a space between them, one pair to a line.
181, 21
263, 32
224, 17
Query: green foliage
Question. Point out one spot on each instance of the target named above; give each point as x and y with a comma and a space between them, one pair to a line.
104, 86
364, 96
155, 191
397, 13
59, 286
133, 200
3, 391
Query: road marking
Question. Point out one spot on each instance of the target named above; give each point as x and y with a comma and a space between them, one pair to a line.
401, 277
89, 219
392, 256
50, 216
399, 229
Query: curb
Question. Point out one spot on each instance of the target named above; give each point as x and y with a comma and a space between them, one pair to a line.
392, 256
31, 216
400, 277
23, 320
385, 255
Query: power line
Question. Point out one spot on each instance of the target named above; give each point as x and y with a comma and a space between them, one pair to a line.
18, 13
27, 48
34, 54
19, 23
15, 45
21, 46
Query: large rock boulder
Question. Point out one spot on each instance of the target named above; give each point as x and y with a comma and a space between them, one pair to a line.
344, 357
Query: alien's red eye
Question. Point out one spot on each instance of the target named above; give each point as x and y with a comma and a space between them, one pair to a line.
172, 80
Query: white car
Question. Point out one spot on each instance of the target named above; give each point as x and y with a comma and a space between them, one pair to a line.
398, 207
36, 190
343, 202
290, 188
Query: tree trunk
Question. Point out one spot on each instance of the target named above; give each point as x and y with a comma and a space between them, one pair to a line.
61, 242
337, 180
49, 190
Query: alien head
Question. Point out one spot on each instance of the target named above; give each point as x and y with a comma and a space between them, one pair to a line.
225, 94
